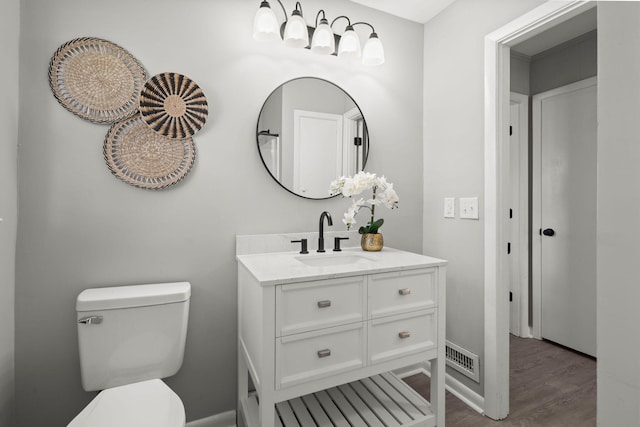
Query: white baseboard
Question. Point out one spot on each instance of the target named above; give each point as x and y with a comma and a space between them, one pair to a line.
225, 419
464, 393
455, 387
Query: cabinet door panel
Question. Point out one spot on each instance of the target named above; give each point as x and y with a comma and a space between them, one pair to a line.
401, 335
304, 357
401, 292
303, 307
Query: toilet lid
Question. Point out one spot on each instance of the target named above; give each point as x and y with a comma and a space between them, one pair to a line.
145, 404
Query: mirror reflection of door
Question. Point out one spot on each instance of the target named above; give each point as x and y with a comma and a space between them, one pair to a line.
317, 151
320, 135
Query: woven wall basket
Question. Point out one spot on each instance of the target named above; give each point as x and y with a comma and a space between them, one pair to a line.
96, 79
173, 105
141, 157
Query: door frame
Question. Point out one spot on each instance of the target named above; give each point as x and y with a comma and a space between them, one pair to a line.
536, 198
497, 52
519, 260
350, 123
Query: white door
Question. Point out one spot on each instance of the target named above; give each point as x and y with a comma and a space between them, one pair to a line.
317, 152
564, 138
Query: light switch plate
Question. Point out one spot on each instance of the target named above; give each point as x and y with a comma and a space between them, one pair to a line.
469, 207
449, 207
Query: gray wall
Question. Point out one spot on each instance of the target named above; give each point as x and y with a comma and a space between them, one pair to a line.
81, 227
570, 62
618, 212
454, 155
561, 65
10, 36
520, 70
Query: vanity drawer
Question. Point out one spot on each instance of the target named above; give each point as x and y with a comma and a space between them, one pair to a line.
303, 307
402, 292
308, 356
401, 335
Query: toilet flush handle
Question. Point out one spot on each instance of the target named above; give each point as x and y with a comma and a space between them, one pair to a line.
91, 320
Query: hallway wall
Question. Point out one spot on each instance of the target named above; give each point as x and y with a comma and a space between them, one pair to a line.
9, 104
618, 213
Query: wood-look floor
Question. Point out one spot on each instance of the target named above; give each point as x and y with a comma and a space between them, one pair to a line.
550, 386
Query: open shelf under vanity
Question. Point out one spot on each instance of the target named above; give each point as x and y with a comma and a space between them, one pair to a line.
381, 400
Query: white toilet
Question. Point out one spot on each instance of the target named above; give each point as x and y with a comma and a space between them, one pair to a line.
130, 337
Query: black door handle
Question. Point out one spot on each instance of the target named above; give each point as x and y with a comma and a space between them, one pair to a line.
548, 232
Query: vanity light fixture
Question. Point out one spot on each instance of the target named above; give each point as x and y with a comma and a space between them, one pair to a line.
295, 30
296, 33
373, 52
349, 46
323, 40
265, 24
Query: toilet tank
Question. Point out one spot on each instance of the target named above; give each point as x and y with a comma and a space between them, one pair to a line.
134, 333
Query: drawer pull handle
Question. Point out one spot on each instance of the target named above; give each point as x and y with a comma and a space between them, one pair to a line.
405, 291
404, 334
324, 304
324, 353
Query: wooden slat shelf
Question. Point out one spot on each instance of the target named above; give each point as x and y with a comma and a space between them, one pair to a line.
381, 400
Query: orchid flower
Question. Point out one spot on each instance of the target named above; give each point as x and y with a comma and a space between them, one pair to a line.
382, 194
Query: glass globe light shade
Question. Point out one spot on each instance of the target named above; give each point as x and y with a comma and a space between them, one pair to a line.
349, 46
295, 32
323, 41
373, 52
265, 24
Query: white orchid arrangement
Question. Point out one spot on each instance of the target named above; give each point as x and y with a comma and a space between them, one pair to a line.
382, 194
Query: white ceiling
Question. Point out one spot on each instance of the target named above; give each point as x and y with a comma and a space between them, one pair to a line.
422, 11
414, 10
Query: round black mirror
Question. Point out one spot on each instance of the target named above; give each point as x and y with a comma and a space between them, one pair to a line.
309, 133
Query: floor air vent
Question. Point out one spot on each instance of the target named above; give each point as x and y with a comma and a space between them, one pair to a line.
463, 361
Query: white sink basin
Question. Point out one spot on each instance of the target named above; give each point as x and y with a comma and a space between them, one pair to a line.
332, 259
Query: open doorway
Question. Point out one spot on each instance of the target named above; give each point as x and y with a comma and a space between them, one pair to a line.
552, 184
498, 47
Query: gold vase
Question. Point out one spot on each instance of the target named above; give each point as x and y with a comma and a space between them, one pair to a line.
371, 242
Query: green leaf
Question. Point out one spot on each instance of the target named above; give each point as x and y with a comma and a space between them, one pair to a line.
373, 228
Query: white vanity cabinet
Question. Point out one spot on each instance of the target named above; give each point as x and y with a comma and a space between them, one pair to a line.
319, 344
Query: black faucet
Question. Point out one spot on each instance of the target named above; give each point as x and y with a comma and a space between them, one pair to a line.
303, 248
336, 243
323, 215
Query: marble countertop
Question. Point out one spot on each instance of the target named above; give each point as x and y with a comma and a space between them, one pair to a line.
288, 267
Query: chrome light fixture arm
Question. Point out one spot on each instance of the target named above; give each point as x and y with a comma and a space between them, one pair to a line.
342, 16
324, 18
373, 30
284, 11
